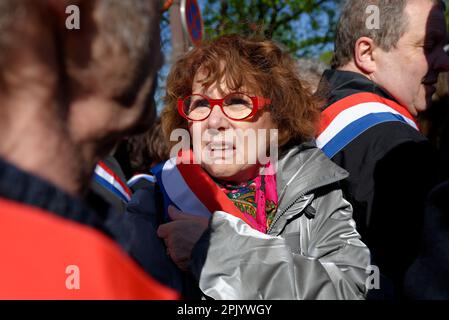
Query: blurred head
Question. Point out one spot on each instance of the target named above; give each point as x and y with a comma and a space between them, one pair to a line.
404, 54
94, 84
311, 71
246, 73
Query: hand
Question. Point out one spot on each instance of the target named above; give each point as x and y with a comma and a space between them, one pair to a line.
181, 234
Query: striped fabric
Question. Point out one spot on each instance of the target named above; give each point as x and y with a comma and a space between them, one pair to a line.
189, 188
345, 120
108, 179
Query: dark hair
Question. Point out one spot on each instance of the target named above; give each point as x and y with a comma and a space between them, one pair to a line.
147, 149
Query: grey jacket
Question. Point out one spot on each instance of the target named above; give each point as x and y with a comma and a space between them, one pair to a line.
311, 251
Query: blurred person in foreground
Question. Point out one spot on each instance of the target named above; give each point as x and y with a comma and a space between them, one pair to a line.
67, 96
274, 229
382, 77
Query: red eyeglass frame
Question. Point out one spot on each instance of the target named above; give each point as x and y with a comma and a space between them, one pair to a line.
258, 104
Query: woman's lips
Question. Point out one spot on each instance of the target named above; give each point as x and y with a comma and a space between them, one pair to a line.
220, 151
220, 146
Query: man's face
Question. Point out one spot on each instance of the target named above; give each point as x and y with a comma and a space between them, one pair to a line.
409, 71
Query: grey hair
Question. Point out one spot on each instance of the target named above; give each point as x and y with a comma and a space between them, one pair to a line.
352, 26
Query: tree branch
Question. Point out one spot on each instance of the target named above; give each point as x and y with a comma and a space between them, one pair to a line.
223, 14
274, 16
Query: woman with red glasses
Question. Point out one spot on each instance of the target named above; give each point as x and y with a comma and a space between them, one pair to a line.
248, 208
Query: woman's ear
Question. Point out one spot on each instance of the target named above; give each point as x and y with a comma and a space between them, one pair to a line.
363, 55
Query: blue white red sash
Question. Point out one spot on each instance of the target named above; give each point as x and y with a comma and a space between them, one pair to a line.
348, 118
108, 179
189, 188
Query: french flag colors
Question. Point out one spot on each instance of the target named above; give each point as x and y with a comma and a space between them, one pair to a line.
108, 179
345, 120
188, 187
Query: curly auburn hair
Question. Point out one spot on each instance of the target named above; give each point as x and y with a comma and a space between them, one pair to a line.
255, 64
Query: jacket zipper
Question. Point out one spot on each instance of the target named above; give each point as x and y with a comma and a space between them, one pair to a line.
288, 207
302, 194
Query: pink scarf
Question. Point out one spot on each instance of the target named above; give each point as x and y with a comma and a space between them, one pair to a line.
256, 199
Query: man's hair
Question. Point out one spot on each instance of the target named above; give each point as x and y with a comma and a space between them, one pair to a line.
352, 26
85, 57
258, 65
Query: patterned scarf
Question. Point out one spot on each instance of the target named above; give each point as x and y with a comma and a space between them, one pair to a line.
257, 198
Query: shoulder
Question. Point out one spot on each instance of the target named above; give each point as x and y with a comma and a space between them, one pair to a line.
330, 203
306, 170
305, 166
143, 200
382, 138
365, 121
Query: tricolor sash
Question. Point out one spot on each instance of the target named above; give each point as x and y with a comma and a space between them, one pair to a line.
109, 180
189, 188
346, 119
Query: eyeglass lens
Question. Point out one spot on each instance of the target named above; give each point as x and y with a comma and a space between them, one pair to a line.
235, 106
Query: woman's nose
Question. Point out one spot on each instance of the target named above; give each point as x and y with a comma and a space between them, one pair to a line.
217, 119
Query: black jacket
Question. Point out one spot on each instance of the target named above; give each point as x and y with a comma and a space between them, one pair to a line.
391, 168
428, 277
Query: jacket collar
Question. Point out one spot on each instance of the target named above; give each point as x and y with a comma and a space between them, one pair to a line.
338, 84
23, 187
301, 170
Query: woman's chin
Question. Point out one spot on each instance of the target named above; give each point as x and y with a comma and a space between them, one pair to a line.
231, 172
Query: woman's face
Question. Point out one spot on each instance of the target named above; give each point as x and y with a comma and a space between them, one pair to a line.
230, 150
